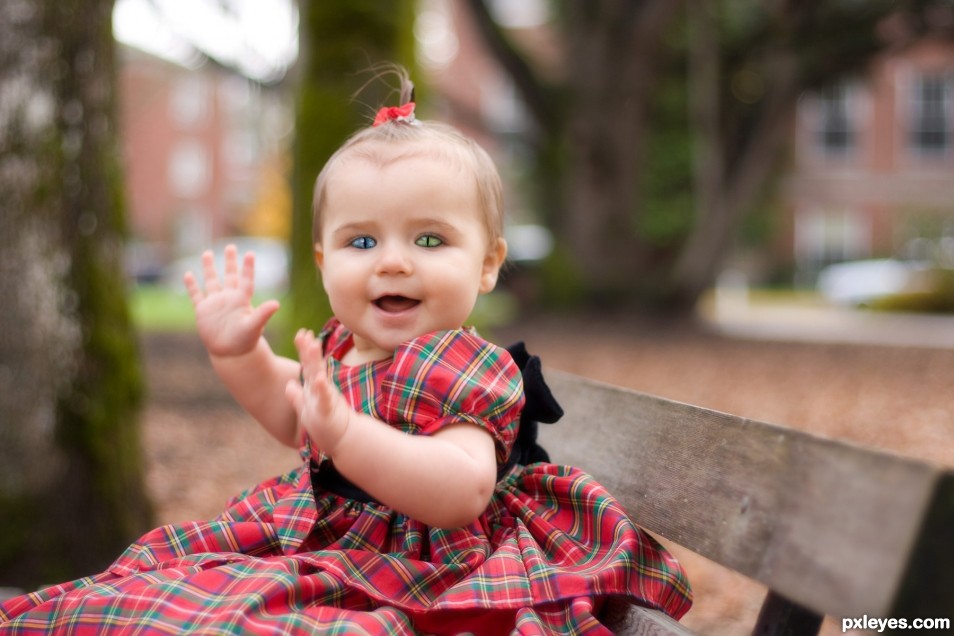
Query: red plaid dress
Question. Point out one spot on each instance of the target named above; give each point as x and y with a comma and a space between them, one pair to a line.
284, 558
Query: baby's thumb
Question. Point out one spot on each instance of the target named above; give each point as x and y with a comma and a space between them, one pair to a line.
294, 394
264, 312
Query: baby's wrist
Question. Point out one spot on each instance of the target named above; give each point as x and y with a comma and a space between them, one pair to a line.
226, 354
333, 448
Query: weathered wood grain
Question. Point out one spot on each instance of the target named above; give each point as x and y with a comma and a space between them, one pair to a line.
641, 621
829, 525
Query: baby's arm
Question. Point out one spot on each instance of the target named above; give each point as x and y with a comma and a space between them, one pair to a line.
442, 480
232, 332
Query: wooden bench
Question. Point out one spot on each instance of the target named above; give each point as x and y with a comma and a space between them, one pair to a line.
828, 527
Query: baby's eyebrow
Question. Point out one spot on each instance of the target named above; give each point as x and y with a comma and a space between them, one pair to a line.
436, 223
351, 228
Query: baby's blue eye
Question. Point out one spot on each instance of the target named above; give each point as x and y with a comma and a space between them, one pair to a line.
428, 240
363, 242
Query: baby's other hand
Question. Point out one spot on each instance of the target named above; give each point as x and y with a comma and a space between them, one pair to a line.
322, 410
227, 322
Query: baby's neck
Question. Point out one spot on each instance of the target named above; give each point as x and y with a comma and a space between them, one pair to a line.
354, 356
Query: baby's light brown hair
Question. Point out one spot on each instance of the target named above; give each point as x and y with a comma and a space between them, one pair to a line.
397, 139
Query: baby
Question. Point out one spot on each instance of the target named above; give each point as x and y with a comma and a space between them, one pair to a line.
409, 513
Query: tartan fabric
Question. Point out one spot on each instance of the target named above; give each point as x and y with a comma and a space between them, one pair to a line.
443, 378
282, 559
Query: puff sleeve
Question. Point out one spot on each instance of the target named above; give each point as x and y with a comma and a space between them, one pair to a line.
450, 377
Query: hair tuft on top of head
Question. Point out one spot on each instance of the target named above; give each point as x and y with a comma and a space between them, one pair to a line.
400, 82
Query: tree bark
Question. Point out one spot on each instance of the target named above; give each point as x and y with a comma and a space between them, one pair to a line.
71, 487
613, 71
340, 42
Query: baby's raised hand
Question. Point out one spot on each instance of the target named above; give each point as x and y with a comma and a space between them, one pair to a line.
322, 410
227, 322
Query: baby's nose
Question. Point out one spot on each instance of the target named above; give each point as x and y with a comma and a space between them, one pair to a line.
393, 259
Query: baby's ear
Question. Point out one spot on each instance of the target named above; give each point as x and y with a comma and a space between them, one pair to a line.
319, 256
493, 261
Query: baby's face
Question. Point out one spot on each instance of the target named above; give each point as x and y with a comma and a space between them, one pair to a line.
404, 251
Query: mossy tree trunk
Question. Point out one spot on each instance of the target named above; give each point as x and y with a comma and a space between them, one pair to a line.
71, 487
339, 43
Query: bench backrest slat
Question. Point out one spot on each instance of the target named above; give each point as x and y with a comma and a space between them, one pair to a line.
826, 524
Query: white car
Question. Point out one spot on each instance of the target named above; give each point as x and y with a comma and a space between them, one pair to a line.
859, 282
271, 263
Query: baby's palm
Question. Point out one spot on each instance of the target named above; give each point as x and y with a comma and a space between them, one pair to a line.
227, 322
322, 410
224, 322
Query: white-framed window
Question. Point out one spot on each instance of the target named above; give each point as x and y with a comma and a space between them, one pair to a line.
240, 150
235, 97
831, 235
929, 114
837, 134
190, 101
190, 169
833, 118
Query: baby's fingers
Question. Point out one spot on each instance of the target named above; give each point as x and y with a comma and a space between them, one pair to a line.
231, 266
313, 363
318, 384
208, 272
295, 395
246, 281
309, 348
192, 288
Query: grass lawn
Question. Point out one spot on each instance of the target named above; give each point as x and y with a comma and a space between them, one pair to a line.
158, 308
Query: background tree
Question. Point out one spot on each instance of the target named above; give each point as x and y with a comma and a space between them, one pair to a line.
339, 44
71, 488
667, 124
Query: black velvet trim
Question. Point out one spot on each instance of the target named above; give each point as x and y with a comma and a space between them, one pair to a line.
326, 478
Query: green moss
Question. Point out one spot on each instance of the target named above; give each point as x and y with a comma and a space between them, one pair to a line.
353, 36
98, 426
563, 286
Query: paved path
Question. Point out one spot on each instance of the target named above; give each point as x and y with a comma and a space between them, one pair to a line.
776, 321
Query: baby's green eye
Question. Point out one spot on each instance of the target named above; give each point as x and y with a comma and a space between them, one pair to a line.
428, 240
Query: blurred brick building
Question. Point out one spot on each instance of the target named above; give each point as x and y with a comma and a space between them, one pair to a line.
195, 143
873, 170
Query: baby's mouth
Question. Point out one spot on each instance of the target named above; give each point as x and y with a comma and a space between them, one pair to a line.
395, 304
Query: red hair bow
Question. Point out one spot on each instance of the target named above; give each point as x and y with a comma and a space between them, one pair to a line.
395, 113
